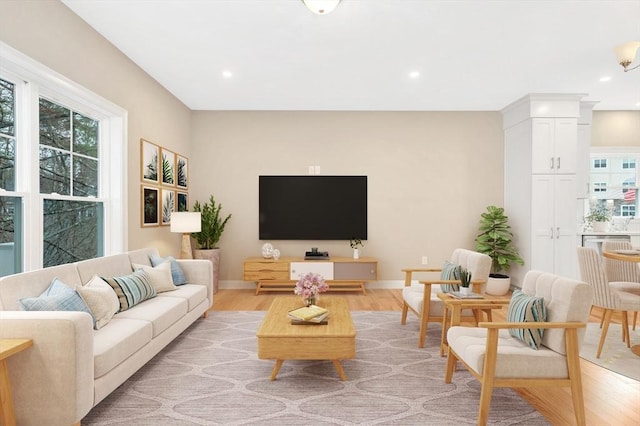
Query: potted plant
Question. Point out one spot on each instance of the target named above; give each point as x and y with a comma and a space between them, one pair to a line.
598, 218
209, 236
355, 242
465, 282
496, 241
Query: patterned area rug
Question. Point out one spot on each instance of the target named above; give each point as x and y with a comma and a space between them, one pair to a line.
615, 354
211, 375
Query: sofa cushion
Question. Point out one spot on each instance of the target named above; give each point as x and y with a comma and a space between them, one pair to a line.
57, 297
117, 341
131, 289
525, 308
160, 276
162, 312
413, 296
450, 271
179, 278
192, 293
107, 266
101, 299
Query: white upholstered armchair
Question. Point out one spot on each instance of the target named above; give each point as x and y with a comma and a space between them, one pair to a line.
497, 359
421, 297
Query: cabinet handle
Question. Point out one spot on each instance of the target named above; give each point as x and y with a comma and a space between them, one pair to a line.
551, 163
551, 236
558, 233
558, 163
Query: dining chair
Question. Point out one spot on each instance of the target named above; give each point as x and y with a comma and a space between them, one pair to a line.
606, 297
497, 357
622, 275
421, 297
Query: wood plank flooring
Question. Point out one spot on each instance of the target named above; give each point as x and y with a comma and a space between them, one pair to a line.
610, 399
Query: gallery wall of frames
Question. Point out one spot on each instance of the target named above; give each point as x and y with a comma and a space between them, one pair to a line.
165, 184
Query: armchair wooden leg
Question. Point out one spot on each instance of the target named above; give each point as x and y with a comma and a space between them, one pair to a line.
451, 366
424, 320
488, 374
575, 375
405, 308
605, 326
635, 319
625, 329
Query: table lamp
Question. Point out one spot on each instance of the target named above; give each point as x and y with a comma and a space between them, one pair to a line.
186, 223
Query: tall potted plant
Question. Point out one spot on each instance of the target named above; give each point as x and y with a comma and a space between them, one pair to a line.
496, 241
207, 239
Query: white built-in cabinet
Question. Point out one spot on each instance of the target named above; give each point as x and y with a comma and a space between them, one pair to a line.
544, 178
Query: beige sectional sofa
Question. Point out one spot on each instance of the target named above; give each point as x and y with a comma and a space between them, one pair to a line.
71, 366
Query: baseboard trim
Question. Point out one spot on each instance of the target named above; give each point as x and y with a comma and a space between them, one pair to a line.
244, 285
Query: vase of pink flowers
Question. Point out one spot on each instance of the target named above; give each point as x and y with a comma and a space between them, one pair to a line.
309, 287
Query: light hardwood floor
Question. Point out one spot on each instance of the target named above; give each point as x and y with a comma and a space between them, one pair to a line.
610, 399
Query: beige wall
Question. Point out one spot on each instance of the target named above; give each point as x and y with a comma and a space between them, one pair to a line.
50, 33
430, 176
616, 128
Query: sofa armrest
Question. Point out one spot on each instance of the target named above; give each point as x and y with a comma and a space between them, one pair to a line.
51, 382
199, 271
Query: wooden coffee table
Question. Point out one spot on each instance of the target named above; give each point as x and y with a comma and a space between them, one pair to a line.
280, 340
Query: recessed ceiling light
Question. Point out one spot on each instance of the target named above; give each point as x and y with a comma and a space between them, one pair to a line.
638, 104
227, 74
414, 74
606, 78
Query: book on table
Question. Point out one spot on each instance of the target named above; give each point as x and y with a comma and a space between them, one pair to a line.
306, 313
459, 295
320, 319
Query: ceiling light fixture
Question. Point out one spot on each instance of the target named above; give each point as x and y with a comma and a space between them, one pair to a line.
626, 53
321, 7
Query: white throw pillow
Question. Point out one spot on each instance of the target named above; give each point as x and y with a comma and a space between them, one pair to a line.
101, 299
160, 276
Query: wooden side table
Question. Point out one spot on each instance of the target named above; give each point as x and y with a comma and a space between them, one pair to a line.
8, 347
455, 306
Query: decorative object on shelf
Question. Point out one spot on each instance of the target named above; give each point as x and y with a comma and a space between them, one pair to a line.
275, 254
355, 242
465, 281
598, 219
321, 7
186, 223
267, 250
209, 236
495, 240
626, 53
309, 287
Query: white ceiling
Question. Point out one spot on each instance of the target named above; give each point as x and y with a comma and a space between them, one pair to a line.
471, 55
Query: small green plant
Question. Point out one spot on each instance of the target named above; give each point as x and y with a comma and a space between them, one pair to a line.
495, 240
598, 214
355, 242
465, 277
212, 224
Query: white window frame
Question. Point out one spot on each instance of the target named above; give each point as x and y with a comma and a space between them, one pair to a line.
600, 163
599, 187
33, 80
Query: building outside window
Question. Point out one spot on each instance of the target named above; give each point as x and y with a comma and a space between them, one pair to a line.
600, 163
628, 163
614, 181
599, 187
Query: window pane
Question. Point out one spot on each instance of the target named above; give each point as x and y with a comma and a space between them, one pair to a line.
7, 163
55, 172
85, 135
7, 108
72, 231
85, 177
10, 235
55, 125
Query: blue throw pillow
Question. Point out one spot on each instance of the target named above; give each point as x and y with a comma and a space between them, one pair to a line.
131, 289
525, 308
57, 297
177, 274
450, 271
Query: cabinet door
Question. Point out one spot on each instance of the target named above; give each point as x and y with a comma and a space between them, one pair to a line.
542, 137
364, 271
542, 223
565, 207
299, 269
565, 145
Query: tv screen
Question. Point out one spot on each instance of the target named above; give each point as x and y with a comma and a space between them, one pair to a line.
312, 207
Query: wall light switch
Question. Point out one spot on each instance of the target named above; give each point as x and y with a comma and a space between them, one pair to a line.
312, 170
317, 170
425, 260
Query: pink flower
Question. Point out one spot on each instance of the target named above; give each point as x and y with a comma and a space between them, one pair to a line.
310, 285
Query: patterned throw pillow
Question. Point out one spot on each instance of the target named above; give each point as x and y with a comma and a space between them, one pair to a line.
131, 289
525, 308
177, 273
101, 299
450, 271
160, 276
57, 297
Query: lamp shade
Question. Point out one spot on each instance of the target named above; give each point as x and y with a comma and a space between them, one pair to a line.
186, 222
626, 53
321, 7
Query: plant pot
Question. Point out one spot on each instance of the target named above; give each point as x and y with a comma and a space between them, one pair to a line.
356, 254
212, 255
498, 285
466, 291
599, 226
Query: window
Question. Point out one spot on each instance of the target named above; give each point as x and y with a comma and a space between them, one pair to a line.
62, 169
599, 187
627, 210
600, 163
628, 163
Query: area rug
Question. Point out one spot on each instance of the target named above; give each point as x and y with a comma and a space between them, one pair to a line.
615, 354
210, 375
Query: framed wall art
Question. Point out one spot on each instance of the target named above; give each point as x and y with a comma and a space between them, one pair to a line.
168, 172
168, 203
182, 202
149, 158
150, 214
182, 172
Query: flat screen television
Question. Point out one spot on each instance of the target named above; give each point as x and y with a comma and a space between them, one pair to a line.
312, 207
